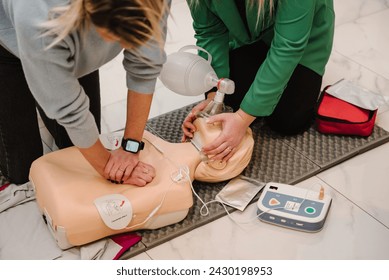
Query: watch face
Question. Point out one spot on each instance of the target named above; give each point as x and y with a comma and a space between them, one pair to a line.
132, 146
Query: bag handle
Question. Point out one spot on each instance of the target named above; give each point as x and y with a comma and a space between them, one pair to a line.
191, 47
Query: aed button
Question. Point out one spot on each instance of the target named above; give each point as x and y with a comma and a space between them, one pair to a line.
274, 202
310, 210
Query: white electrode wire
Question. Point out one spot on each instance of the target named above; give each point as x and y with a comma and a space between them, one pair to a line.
184, 172
154, 211
187, 175
174, 179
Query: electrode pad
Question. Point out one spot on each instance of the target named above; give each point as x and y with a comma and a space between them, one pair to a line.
115, 210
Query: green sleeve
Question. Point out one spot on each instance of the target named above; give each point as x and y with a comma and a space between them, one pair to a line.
293, 22
212, 35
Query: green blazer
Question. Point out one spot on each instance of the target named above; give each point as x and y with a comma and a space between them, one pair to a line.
297, 31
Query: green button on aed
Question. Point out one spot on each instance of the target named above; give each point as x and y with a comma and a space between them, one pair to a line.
310, 210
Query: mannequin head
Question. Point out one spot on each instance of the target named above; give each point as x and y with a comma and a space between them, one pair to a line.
209, 171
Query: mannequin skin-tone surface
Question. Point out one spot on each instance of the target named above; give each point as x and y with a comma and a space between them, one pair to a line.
67, 187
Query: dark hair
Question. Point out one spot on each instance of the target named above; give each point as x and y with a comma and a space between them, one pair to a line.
134, 21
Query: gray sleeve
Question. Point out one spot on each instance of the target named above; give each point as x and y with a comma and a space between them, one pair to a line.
144, 64
50, 76
59, 93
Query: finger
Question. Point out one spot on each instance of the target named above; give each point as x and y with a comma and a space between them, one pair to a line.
215, 118
190, 117
188, 128
188, 122
222, 151
216, 148
222, 155
119, 175
107, 169
141, 174
187, 134
114, 182
114, 176
136, 181
127, 173
186, 138
147, 169
229, 155
217, 145
117, 172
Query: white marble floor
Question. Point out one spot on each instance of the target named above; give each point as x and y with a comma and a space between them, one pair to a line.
357, 226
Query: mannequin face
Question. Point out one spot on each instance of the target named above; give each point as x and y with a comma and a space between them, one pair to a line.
213, 171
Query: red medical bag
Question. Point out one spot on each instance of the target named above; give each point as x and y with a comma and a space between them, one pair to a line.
336, 116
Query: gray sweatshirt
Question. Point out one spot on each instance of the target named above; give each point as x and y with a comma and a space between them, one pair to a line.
52, 74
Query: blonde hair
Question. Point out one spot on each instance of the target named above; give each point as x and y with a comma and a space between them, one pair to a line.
133, 21
261, 5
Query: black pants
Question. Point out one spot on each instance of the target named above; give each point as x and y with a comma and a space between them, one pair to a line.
20, 140
295, 110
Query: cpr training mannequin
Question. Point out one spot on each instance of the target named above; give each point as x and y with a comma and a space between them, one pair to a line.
80, 206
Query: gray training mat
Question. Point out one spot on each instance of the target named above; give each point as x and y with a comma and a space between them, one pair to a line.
283, 159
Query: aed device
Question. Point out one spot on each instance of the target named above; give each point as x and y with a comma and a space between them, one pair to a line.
293, 207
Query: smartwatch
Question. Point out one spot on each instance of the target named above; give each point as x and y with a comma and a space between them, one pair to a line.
132, 146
